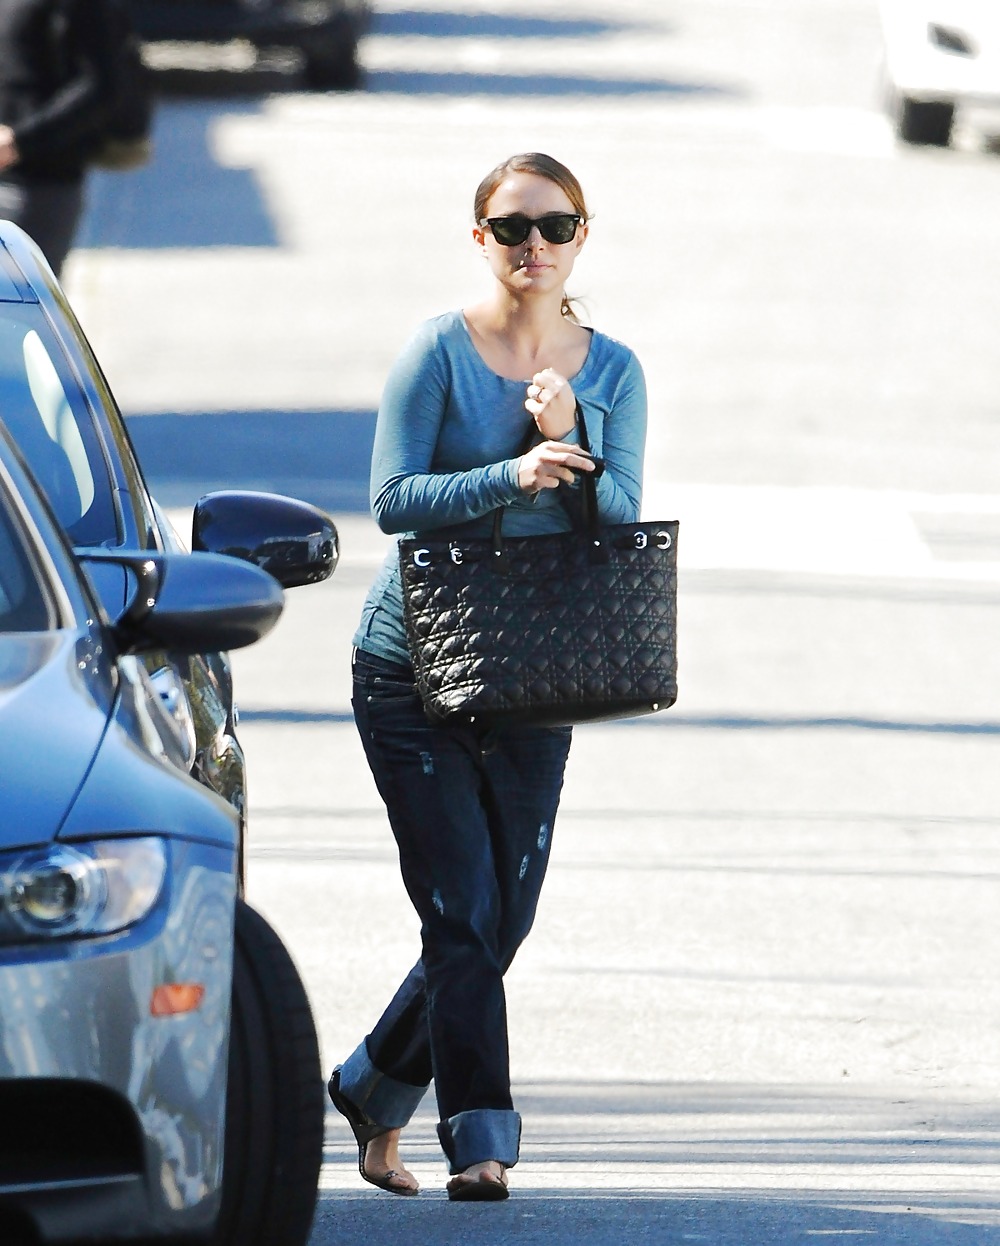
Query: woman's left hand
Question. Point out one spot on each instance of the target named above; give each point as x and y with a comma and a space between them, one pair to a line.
553, 404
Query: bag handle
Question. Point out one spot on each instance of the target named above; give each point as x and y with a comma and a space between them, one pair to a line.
588, 488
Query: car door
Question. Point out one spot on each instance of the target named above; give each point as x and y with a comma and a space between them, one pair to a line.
57, 406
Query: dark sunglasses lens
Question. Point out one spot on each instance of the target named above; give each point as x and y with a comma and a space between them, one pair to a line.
557, 229
510, 231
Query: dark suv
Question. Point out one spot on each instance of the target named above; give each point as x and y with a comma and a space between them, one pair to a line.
326, 32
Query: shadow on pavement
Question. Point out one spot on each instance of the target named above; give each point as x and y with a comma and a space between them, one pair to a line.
615, 1218
730, 1165
447, 24
183, 197
321, 456
468, 83
186, 198
453, 24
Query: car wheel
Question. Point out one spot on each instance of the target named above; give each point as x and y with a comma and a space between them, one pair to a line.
275, 1105
928, 124
332, 67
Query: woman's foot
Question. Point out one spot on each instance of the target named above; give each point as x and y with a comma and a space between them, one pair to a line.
378, 1147
381, 1165
485, 1182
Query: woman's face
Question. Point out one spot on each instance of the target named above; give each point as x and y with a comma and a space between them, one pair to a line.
535, 266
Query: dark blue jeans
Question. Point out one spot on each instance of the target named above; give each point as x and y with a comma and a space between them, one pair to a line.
472, 811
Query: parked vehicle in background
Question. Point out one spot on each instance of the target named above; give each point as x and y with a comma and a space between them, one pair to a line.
59, 409
940, 56
159, 1070
325, 32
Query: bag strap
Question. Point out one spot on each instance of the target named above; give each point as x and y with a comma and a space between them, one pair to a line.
532, 431
588, 492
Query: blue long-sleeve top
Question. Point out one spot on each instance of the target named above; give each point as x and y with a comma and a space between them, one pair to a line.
447, 443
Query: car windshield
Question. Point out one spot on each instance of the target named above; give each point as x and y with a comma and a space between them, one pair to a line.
24, 605
47, 416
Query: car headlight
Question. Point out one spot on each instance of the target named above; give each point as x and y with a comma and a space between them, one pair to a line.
80, 890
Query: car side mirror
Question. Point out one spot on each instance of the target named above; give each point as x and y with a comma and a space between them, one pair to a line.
192, 603
294, 541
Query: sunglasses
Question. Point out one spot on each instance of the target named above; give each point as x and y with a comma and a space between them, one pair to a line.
511, 231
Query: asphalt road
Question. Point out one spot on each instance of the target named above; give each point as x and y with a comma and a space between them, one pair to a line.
760, 1003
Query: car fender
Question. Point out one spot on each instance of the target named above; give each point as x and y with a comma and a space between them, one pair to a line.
129, 790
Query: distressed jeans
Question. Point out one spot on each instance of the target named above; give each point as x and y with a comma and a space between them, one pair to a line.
472, 812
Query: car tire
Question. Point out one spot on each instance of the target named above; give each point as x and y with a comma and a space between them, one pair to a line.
275, 1106
926, 124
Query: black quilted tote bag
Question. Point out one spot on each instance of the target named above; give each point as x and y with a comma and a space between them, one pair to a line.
566, 627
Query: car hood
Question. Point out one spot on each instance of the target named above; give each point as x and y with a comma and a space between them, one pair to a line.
53, 715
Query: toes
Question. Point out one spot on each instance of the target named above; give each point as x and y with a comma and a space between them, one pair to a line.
400, 1180
394, 1178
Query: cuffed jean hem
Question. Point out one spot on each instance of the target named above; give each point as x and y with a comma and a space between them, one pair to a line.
383, 1100
479, 1135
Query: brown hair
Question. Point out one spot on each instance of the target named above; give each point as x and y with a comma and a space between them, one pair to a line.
540, 165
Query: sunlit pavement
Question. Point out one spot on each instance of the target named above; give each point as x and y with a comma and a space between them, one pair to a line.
760, 1003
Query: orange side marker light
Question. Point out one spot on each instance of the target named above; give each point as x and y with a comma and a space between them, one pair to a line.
176, 997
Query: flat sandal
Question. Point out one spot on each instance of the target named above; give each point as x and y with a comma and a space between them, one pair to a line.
365, 1131
483, 1188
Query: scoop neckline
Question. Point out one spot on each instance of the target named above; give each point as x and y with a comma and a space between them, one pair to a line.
508, 380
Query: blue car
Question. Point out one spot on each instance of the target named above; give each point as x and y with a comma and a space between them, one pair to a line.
159, 1071
59, 409
159, 1068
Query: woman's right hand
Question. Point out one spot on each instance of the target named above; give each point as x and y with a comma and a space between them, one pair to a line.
550, 464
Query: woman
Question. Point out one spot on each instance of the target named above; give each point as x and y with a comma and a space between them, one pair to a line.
472, 810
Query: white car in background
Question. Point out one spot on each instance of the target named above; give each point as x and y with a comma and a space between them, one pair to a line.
940, 55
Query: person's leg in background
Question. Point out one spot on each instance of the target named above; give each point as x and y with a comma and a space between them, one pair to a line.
49, 212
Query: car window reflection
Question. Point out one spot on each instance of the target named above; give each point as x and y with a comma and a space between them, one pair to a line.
54, 409
54, 430
23, 605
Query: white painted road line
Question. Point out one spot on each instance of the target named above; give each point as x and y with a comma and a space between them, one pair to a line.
817, 531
